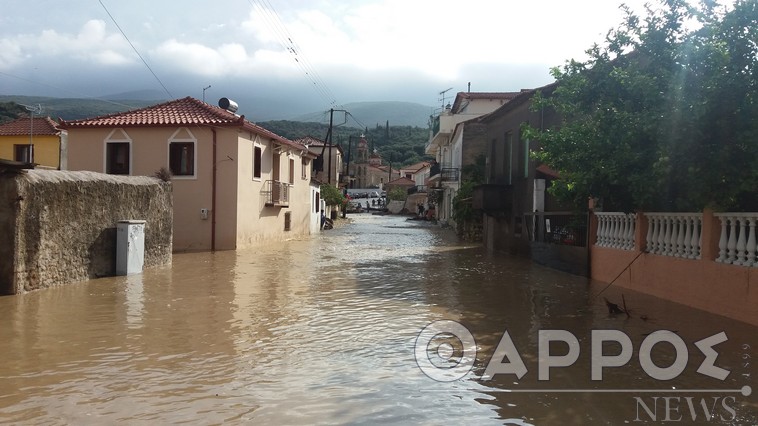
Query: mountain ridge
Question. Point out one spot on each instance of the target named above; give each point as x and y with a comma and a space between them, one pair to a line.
362, 114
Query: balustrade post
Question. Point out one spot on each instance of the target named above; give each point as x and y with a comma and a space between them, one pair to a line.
751, 243
741, 241
668, 222
722, 240
660, 235
696, 235
687, 248
649, 245
731, 245
680, 237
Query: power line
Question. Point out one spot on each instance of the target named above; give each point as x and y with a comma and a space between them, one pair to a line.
298, 55
135, 50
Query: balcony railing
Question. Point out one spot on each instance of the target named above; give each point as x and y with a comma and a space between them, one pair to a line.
417, 189
276, 194
449, 174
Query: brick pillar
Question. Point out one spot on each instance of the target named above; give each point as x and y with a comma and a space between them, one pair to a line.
711, 232
640, 232
592, 229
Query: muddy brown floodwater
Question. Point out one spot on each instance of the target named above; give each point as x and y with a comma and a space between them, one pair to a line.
322, 331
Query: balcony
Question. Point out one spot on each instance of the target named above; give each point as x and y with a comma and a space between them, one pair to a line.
449, 174
417, 189
442, 127
276, 194
493, 199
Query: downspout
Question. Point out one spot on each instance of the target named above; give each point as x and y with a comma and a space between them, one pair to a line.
213, 196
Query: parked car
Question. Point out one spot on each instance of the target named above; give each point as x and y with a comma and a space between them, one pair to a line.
373, 194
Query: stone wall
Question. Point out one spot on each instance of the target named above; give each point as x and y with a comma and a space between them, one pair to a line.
58, 227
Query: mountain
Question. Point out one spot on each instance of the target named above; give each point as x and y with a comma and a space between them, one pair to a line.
373, 113
74, 108
364, 114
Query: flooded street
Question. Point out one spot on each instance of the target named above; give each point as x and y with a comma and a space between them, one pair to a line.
322, 331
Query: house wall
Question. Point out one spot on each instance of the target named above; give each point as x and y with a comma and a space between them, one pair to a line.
149, 153
508, 163
336, 161
60, 227
46, 148
256, 222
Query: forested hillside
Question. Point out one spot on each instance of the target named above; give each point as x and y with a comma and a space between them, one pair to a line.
402, 145
9, 111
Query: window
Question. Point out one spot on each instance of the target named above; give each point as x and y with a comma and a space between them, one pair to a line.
257, 156
181, 158
292, 171
117, 158
23, 153
304, 168
317, 203
287, 221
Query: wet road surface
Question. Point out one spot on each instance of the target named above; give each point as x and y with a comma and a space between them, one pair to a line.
322, 331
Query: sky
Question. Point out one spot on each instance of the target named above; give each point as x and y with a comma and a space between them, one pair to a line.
287, 57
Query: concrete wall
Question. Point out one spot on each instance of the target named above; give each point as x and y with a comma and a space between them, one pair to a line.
60, 227
723, 289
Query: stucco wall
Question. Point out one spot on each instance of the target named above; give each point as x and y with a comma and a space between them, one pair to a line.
60, 227
46, 149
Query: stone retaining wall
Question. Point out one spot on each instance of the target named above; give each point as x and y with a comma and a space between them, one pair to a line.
58, 227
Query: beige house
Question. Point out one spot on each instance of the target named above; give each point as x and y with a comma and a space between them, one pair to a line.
330, 157
235, 184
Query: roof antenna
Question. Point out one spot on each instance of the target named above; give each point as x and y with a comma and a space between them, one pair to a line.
442, 93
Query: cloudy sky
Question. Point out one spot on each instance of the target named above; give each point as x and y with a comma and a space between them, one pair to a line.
292, 56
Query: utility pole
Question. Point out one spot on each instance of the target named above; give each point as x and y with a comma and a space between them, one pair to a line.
32, 110
331, 119
347, 171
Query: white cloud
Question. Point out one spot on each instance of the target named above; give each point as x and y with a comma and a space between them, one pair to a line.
91, 44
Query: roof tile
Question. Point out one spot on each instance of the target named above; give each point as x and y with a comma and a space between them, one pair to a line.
180, 112
20, 127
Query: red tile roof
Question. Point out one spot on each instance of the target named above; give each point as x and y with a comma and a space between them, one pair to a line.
44, 126
416, 167
402, 181
180, 112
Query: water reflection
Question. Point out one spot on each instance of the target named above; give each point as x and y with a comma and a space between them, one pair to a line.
323, 331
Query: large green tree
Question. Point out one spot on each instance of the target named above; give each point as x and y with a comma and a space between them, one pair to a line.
664, 114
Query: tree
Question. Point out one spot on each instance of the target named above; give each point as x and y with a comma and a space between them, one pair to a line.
663, 115
331, 195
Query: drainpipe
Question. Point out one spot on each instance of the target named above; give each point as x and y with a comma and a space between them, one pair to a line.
213, 196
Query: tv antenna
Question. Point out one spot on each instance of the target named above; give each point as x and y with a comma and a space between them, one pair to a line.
442, 96
204, 89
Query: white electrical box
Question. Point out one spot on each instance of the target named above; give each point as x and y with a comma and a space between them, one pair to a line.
203, 214
130, 247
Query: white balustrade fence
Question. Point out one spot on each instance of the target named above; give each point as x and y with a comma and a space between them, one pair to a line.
615, 230
737, 244
674, 234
